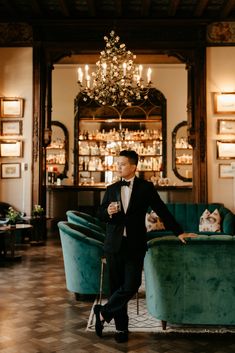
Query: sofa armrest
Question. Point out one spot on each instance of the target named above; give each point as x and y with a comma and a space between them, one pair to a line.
228, 224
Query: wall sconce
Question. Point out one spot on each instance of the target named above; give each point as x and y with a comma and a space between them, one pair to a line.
224, 103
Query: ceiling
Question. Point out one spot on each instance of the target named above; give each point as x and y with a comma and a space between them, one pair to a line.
34, 10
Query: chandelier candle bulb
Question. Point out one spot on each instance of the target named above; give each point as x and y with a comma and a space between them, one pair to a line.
88, 81
80, 75
149, 72
86, 71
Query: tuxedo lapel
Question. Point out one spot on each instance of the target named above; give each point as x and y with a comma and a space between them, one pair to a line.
118, 193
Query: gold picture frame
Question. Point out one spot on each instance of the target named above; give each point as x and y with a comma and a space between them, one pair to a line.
225, 149
11, 148
224, 103
11, 128
226, 171
10, 170
12, 107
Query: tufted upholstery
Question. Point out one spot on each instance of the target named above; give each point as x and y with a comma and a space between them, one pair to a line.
86, 220
82, 259
188, 216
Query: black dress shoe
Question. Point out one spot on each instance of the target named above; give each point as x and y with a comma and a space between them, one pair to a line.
99, 324
121, 336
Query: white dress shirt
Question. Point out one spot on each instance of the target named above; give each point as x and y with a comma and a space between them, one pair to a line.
125, 196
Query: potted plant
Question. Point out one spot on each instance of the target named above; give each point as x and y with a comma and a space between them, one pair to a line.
38, 211
13, 216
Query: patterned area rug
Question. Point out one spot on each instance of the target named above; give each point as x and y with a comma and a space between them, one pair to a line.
144, 322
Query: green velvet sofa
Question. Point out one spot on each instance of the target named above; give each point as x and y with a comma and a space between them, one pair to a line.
192, 283
82, 250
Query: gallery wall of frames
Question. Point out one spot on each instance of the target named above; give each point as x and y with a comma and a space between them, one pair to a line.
11, 136
224, 108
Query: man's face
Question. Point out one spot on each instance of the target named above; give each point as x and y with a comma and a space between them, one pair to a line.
125, 168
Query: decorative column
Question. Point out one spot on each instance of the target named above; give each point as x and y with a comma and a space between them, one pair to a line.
48, 106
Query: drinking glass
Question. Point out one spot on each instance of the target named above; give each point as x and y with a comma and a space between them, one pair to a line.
117, 205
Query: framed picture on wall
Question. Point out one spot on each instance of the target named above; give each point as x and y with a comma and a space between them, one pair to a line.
225, 149
12, 107
11, 127
226, 127
224, 103
10, 170
226, 171
11, 148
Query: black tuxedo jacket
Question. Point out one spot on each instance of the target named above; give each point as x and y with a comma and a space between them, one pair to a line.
143, 196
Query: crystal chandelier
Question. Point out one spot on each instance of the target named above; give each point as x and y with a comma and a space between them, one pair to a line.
117, 79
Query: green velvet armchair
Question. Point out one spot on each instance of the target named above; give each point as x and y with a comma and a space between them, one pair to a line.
82, 253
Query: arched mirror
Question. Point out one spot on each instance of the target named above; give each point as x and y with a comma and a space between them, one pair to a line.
102, 132
57, 153
181, 153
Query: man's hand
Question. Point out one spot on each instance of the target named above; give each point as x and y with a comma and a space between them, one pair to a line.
183, 236
114, 207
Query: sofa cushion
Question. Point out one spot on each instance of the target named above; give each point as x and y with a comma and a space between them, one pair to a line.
153, 222
210, 221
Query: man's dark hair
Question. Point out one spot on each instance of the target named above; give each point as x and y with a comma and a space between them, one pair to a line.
131, 155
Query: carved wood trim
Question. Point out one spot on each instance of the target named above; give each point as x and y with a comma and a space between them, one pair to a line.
38, 160
199, 128
16, 34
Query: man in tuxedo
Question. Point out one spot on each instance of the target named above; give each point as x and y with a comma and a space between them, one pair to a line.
125, 242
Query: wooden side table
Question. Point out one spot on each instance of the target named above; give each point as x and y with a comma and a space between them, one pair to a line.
39, 233
8, 232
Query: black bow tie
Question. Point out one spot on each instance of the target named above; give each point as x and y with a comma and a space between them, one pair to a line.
125, 183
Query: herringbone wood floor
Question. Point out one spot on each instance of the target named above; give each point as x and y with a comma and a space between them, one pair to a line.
38, 314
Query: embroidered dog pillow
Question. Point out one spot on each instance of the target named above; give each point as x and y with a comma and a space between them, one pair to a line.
153, 222
210, 222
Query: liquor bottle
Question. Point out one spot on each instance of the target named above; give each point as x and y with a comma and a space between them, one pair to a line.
80, 166
100, 166
49, 177
91, 165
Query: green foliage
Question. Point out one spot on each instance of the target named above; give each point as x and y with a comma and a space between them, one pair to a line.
37, 211
12, 215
